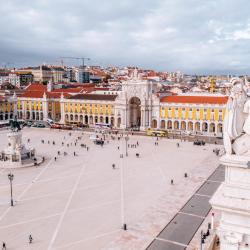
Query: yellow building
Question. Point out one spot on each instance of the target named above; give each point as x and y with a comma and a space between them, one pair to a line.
7, 109
194, 114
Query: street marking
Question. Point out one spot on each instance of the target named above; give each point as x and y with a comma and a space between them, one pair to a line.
203, 195
194, 215
171, 241
88, 239
66, 207
31, 220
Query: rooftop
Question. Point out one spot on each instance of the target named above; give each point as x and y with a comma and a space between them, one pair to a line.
195, 99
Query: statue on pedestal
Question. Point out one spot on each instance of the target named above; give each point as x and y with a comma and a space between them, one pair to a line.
14, 125
236, 127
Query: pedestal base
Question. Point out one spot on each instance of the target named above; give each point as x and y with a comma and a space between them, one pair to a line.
232, 199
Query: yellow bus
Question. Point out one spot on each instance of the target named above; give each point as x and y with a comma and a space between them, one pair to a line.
159, 133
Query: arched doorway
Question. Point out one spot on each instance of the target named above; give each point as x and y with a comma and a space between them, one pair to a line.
106, 120
86, 119
212, 128
112, 121
154, 124
169, 125
183, 125
135, 112
190, 126
219, 128
176, 125
197, 127
204, 127
163, 125
119, 120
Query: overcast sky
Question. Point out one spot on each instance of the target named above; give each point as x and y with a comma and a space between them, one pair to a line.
194, 36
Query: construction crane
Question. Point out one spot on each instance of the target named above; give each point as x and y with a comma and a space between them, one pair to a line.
77, 58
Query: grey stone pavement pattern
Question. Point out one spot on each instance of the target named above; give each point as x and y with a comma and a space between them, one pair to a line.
185, 224
76, 202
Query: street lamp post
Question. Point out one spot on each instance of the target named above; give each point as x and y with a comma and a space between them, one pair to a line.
11, 177
126, 139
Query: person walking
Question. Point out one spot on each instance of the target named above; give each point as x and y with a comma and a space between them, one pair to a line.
4, 246
30, 239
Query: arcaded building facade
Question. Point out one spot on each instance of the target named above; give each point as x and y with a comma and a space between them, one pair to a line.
136, 104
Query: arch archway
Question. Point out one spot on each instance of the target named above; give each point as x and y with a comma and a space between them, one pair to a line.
204, 127
112, 121
86, 119
183, 125
163, 124
106, 120
91, 120
219, 128
176, 125
169, 125
119, 120
154, 124
197, 127
212, 128
28, 115
190, 126
135, 112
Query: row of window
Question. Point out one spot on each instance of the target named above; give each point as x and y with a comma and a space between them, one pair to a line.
191, 109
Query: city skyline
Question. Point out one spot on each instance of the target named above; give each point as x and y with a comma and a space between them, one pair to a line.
194, 36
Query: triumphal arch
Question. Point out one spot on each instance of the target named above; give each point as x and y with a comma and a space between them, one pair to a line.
138, 103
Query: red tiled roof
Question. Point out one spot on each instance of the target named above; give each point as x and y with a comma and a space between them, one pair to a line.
36, 87
39, 94
195, 99
33, 94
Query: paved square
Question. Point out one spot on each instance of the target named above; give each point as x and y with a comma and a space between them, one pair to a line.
80, 202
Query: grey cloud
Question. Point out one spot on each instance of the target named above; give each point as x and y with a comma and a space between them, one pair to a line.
195, 36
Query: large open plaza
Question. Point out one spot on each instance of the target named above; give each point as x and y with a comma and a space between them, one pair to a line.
80, 200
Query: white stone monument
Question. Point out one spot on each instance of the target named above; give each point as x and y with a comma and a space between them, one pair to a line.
232, 198
17, 154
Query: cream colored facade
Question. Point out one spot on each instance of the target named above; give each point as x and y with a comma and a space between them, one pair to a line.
136, 105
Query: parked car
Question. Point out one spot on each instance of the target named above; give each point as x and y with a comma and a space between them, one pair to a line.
41, 125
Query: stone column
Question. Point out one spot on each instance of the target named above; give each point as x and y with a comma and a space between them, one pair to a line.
62, 120
45, 107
